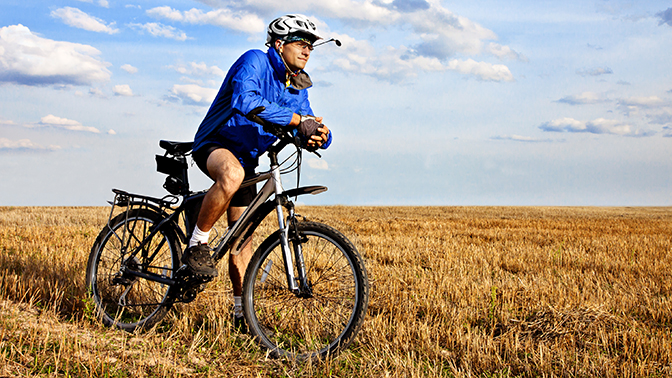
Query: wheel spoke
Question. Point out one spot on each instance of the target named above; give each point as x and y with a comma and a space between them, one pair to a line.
126, 301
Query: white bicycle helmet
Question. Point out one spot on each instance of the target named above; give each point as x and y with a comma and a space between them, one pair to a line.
291, 24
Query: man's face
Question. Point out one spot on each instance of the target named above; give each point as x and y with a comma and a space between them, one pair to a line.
296, 54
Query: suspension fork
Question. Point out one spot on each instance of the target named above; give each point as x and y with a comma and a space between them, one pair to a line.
284, 231
297, 241
284, 228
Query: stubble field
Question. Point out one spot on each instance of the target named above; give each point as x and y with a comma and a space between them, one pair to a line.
456, 292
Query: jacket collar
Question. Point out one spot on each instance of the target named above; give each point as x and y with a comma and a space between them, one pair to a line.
276, 62
300, 81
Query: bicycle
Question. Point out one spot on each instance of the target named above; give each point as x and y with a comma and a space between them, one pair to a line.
305, 291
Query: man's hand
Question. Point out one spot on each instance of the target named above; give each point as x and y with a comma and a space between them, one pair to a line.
319, 139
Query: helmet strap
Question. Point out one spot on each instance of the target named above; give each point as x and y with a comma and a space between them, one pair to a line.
289, 70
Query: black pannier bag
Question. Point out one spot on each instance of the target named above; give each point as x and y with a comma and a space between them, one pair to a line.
175, 167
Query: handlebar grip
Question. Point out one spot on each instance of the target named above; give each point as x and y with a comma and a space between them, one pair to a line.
252, 115
269, 127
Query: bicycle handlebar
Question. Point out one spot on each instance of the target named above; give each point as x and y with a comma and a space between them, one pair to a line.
272, 128
282, 132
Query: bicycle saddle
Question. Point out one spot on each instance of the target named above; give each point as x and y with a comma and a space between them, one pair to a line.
176, 148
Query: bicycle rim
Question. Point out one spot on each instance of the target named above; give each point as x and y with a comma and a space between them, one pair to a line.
125, 301
311, 327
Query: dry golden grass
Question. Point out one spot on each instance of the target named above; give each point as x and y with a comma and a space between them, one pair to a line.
456, 291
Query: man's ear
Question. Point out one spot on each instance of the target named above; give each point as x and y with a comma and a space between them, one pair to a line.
278, 45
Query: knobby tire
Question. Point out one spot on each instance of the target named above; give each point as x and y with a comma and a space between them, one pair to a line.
316, 327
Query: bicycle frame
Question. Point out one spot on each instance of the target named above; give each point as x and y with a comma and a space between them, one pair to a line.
240, 232
242, 229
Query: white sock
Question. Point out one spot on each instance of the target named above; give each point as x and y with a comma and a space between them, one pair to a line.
198, 237
237, 306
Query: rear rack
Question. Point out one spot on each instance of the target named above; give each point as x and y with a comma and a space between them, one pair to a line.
125, 199
131, 201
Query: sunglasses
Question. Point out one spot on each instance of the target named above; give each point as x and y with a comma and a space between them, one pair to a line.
301, 45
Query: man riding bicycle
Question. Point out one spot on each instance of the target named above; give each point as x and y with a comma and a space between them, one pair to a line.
227, 145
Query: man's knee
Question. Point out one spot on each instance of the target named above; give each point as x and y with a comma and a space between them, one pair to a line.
226, 170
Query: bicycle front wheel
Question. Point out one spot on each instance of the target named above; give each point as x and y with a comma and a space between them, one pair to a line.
123, 300
317, 324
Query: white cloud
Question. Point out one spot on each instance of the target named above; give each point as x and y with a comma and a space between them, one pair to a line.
665, 17
122, 90
597, 126
585, 98
192, 94
24, 144
642, 102
395, 64
318, 164
102, 3
564, 124
392, 64
661, 116
130, 69
505, 52
347, 10
521, 138
78, 19
445, 34
28, 59
653, 108
442, 35
160, 30
482, 70
609, 126
199, 69
96, 92
64, 123
111, 132
595, 71
240, 21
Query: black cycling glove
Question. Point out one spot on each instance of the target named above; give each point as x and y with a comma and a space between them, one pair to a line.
308, 126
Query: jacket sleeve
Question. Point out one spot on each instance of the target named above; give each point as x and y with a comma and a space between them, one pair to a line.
248, 90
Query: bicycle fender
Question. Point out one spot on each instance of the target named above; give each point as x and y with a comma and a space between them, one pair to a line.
266, 208
316, 189
269, 206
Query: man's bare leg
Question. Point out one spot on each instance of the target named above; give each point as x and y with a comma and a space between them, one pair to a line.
228, 174
238, 264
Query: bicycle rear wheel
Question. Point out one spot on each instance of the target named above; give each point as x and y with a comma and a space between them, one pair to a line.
317, 325
123, 300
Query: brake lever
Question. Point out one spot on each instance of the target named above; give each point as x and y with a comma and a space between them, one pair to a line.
309, 149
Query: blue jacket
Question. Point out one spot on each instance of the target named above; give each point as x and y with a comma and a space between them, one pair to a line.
255, 79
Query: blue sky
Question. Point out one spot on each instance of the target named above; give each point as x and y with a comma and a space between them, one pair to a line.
431, 102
